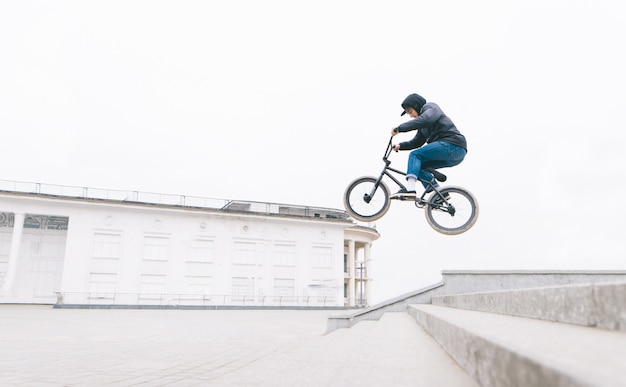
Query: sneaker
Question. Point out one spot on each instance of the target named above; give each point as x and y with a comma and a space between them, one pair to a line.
403, 195
439, 201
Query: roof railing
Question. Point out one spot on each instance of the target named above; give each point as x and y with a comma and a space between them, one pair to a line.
64, 191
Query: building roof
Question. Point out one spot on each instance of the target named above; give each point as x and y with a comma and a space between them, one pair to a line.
168, 200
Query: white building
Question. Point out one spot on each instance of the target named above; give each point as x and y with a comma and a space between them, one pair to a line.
83, 246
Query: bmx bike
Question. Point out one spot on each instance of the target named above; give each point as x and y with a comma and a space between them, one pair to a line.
448, 210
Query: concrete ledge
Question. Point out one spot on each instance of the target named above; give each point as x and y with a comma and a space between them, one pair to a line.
500, 350
593, 305
397, 304
472, 281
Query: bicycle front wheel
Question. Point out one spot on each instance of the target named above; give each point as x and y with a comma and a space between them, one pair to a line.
456, 214
365, 200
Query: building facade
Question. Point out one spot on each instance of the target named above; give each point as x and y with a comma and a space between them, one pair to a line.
80, 246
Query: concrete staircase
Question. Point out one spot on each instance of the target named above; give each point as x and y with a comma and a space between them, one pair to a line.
559, 334
535, 337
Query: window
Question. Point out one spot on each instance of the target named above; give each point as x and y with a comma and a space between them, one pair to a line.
156, 248
284, 255
321, 263
155, 259
198, 284
106, 246
284, 271
284, 289
242, 288
199, 267
105, 256
322, 256
244, 253
152, 286
202, 250
102, 285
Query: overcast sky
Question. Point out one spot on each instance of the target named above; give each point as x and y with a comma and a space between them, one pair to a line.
288, 101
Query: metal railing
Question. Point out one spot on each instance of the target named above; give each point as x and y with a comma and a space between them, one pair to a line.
184, 201
202, 300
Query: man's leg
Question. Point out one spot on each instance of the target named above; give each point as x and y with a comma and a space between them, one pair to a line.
434, 155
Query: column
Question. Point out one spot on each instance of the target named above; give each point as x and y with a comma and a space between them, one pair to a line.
368, 271
16, 241
351, 271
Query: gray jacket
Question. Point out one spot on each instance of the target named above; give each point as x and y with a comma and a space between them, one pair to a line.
432, 125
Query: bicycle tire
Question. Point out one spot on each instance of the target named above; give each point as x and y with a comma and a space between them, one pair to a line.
354, 199
456, 219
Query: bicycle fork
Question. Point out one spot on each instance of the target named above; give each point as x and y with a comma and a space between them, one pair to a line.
367, 197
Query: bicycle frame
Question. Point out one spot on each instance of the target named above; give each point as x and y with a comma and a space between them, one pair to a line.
449, 210
387, 169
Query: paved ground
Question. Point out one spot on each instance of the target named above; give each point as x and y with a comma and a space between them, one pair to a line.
41, 346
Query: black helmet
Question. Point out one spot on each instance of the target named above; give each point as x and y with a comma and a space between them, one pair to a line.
415, 101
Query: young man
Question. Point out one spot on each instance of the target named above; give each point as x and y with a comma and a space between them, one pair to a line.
446, 146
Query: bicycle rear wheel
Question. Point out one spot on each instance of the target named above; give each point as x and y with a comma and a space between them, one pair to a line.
365, 201
456, 215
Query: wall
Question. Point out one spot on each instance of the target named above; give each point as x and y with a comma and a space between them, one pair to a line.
127, 254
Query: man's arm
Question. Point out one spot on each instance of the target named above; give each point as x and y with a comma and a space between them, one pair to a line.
428, 116
416, 142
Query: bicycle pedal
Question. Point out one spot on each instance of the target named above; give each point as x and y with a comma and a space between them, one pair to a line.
404, 196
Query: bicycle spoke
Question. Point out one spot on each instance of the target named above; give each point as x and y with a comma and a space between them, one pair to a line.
456, 215
361, 204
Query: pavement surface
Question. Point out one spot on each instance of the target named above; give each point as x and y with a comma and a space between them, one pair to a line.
42, 346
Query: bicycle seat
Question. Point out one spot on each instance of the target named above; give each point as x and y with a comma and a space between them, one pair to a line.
438, 175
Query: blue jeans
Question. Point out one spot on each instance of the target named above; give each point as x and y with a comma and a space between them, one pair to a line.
435, 155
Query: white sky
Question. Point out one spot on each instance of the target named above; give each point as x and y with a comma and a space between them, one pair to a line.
288, 101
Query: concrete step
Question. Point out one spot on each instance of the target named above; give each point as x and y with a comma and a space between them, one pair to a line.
393, 351
500, 350
601, 305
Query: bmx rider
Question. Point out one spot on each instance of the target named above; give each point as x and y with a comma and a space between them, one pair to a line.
445, 145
